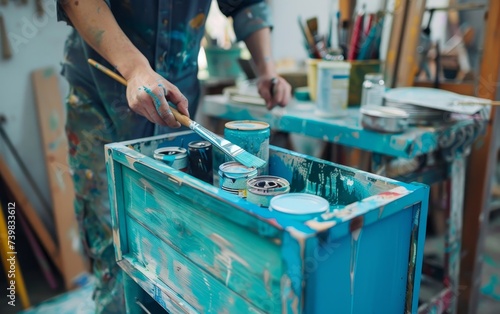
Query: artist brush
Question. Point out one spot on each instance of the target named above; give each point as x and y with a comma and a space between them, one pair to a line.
307, 41
228, 148
357, 32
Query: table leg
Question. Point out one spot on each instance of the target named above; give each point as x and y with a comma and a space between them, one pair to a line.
453, 238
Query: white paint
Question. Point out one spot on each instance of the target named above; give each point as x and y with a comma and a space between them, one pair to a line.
36, 43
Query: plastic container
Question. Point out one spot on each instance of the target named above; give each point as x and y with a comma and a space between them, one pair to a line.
333, 88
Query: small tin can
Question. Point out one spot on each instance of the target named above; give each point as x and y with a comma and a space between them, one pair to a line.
233, 177
252, 136
175, 157
261, 189
200, 160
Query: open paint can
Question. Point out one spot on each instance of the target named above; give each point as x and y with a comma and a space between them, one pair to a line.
233, 177
306, 205
175, 157
261, 189
252, 136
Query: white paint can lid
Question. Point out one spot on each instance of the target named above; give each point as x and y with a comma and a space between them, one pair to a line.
299, 204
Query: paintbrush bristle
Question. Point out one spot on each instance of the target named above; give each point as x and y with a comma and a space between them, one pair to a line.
249, 160
228, 148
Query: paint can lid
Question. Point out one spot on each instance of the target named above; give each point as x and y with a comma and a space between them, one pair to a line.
247, 125
234, 169
199, 144
299, 204
170, 153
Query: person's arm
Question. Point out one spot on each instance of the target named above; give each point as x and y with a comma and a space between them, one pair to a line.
147, 91
274, 93
252, 24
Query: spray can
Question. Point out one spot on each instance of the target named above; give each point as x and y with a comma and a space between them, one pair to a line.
200, 160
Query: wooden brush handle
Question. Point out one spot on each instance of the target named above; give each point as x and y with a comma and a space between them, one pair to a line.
6, 50
184, 120
39, 8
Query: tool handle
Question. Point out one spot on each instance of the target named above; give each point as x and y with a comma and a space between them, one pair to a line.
39, 8
184, 120
6, 50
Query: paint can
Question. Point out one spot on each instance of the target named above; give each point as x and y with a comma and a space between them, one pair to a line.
261, 189
200, 160
252, 136
305, 205
175, 157
233, 177
333, 89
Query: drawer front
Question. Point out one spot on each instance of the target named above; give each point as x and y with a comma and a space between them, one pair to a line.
180, 227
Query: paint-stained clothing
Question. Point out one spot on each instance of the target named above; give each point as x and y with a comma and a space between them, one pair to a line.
168, 33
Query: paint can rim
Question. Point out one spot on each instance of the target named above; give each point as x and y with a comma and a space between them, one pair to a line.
283, 186
180, 152
257, 125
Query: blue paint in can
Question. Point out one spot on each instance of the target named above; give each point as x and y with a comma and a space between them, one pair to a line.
252, 136
233, 177
261, 189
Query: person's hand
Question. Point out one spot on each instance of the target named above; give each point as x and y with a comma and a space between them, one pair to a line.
275, 91
148, 93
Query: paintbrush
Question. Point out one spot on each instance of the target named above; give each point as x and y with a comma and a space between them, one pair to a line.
228, 148
6, 49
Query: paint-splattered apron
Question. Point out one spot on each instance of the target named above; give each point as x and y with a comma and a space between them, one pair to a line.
168, 33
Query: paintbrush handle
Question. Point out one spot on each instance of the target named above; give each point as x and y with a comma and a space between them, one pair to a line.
184, 120
6, 50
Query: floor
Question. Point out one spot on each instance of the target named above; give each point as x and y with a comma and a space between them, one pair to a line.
80, 301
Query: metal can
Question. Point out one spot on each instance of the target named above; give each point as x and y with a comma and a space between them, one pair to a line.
200, 160
261, 189
233, 177
175, 157
252, 136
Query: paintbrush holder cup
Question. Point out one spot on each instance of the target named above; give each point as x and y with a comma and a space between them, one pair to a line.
358, 71
312, 77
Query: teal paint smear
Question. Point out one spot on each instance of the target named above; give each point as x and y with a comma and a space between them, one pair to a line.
48, 72
489, 289
156, 99
53, 120
98, 36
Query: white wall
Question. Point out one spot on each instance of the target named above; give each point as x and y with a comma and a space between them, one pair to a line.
36, 43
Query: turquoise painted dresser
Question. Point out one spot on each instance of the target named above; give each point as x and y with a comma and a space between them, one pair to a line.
189, 247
